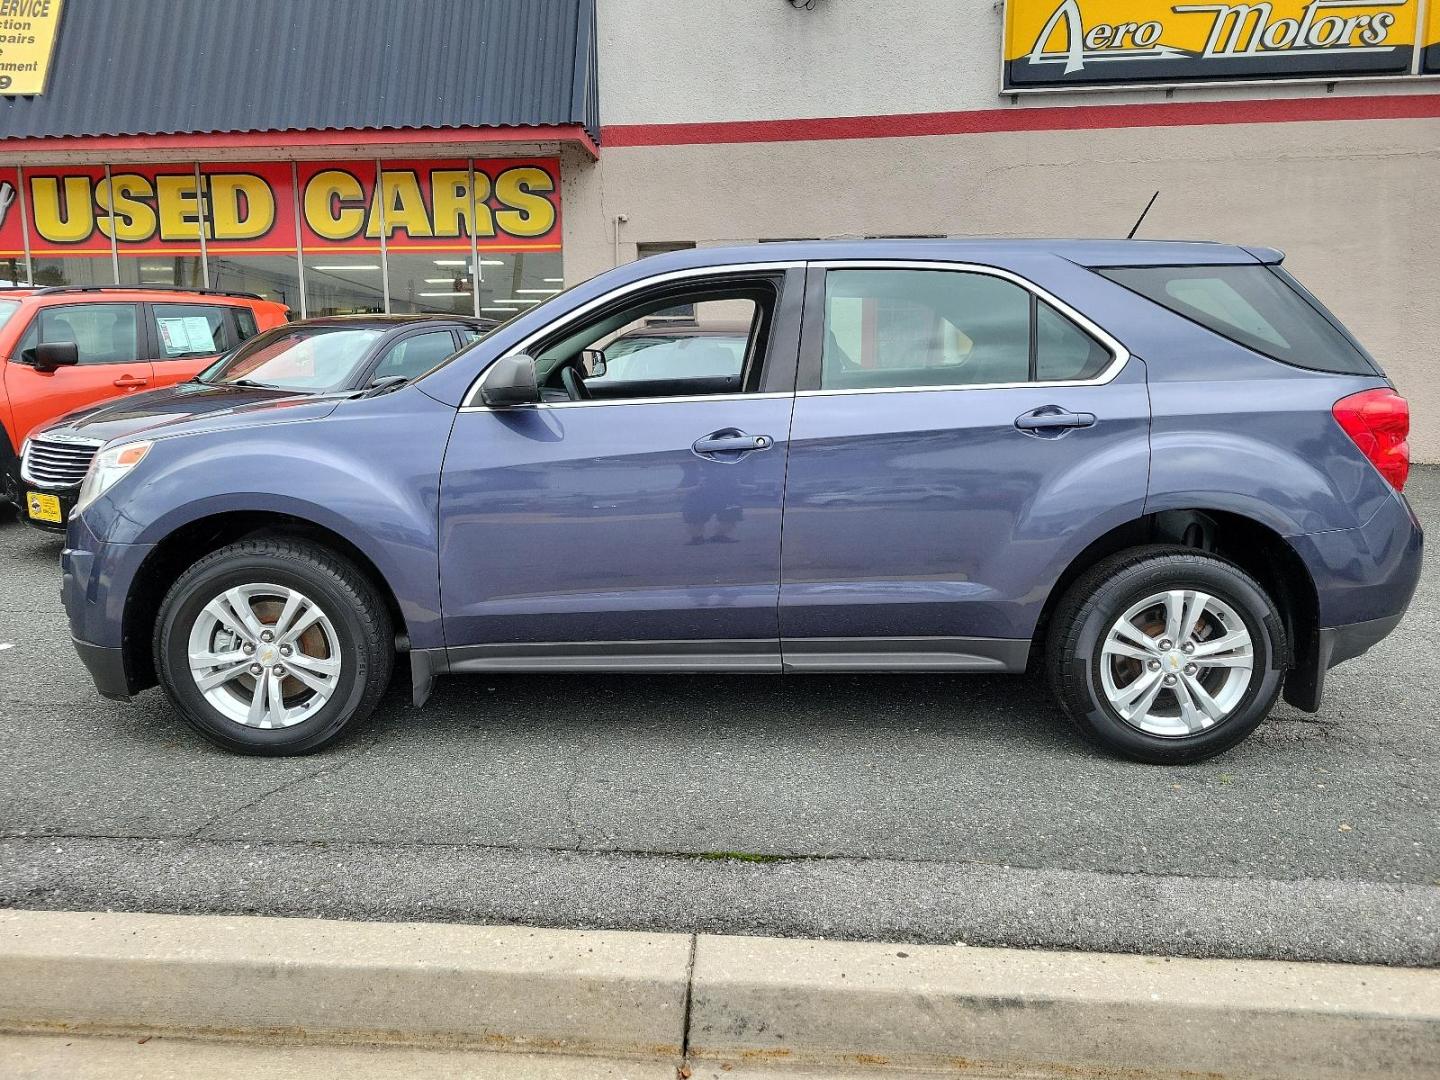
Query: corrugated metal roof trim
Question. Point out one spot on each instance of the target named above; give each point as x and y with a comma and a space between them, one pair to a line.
153, 67
302, 131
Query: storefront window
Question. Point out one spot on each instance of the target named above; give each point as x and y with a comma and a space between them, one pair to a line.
75, 270
512, 283
160, 269
430, 282
274, 277
342, 284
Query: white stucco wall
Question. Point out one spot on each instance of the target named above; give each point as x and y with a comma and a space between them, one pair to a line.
684, 61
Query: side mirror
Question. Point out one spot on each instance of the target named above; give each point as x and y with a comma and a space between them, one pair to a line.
511, 381
594, 362
56, 354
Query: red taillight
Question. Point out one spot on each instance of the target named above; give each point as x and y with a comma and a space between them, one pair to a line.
1378, 421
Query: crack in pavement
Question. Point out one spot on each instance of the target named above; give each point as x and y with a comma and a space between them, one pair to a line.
215, 819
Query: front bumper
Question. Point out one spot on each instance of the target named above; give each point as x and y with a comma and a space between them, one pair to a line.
107, 668
95, 584
64, 496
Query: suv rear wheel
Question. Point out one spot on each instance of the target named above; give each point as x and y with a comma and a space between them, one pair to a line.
273, 646
1166, 654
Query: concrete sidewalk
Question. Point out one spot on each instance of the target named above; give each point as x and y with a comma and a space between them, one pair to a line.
276, 990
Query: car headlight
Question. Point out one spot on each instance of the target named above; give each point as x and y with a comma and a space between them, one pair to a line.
108, 468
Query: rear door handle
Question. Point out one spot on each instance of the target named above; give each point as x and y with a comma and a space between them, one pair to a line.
731, 441
126, 382
1051, 417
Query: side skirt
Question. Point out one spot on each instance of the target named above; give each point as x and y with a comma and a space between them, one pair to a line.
996, 655
907, 654
658, 656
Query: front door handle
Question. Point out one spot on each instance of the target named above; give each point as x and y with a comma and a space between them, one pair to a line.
1052, 418
731, 441
130, 382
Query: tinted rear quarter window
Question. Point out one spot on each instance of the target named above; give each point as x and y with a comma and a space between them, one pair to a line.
1255, 306
1063, 351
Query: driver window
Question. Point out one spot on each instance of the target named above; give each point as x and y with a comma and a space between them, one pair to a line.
680, 343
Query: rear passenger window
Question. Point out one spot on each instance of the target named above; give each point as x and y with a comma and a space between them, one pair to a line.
415, 355
102, 333
899, 328
189, 330
1063, 351
1260, 307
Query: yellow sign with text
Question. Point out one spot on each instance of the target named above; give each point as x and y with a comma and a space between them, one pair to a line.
1058, 43
1431, 64
28, 29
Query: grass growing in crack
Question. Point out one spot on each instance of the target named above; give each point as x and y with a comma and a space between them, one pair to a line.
738, 856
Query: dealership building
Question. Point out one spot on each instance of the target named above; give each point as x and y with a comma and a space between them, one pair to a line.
409, 155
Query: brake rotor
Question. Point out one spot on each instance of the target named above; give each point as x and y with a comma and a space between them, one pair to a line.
312, 643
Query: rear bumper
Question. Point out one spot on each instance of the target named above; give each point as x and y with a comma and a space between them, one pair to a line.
1364, 579
1341, 643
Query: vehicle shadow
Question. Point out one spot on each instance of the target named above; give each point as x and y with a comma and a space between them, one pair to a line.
1015, 710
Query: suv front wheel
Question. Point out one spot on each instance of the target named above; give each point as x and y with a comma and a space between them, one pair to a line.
1166, 654
273, 646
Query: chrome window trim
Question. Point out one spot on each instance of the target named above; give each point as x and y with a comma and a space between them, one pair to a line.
472, 396
603, 402
1120, 355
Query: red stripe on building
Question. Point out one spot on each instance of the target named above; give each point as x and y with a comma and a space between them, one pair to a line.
1021, 118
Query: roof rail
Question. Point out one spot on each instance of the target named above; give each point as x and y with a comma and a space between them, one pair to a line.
50, 290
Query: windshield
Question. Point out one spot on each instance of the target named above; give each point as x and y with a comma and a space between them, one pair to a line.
304, 359
7, 308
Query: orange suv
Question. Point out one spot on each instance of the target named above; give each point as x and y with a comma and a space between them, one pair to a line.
68, 346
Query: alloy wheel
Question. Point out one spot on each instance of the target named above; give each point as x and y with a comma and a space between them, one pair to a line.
1176, 663
265, 656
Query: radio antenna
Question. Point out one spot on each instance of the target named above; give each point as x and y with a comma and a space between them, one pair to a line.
1136, 228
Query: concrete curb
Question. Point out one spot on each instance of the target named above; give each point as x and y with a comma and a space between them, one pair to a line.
758, 1003
1006, 1010
499, 987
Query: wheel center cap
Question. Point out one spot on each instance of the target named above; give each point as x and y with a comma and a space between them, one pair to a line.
267, 655
1174, 661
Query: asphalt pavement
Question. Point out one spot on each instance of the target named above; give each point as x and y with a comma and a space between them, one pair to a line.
916, 808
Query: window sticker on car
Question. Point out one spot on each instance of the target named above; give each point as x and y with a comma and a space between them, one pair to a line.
187, 334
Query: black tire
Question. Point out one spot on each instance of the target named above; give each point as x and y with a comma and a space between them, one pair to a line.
1103, 593
359, 615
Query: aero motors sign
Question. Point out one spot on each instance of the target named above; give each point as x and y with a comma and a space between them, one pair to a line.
1058, 43
511, 205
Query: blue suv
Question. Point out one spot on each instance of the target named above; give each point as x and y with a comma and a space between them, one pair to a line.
1162, 473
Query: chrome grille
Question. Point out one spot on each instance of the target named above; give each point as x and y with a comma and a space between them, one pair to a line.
56, 463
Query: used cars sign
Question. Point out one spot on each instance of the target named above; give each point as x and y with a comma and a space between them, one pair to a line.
1052, 44
1432, 41
510, 204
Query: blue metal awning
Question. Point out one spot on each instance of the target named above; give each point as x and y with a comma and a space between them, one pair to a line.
172, 67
